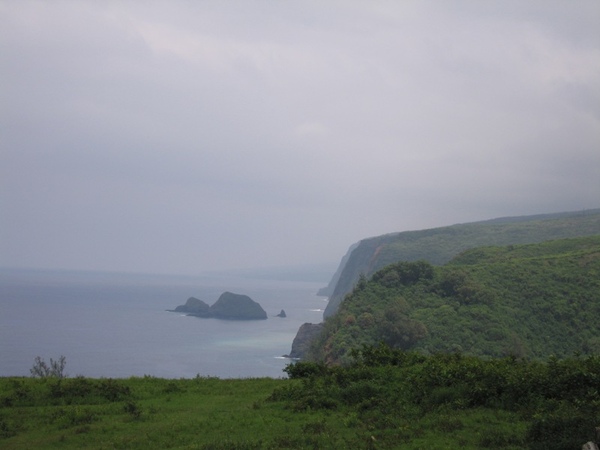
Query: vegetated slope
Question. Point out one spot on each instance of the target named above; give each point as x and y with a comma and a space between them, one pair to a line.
440, 245
530, 300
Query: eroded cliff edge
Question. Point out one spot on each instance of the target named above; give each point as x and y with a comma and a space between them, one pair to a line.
439, 245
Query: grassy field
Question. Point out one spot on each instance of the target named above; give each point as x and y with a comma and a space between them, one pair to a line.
215, 414
386, 399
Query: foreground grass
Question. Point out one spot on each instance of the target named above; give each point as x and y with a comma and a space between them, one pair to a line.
213, 414
157, 413
387, 399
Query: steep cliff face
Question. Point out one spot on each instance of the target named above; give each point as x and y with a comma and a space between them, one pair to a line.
439, 245
330, 288
360, 261
528, 301
306, 334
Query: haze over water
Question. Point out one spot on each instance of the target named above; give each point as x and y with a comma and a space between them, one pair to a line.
116, 325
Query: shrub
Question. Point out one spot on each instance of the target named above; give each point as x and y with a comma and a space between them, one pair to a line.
562, 426
305, 369
56, 369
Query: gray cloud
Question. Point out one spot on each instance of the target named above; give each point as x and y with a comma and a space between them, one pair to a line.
184, 136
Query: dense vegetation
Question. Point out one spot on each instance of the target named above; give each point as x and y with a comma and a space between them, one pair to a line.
525, 300
403, 399
439, 245
384, 399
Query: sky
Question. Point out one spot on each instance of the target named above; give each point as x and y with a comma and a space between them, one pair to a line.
178, 137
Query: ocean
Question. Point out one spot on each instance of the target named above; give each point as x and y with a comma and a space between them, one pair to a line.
117, 325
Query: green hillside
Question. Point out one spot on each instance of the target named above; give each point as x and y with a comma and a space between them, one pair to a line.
530, 301
439, 245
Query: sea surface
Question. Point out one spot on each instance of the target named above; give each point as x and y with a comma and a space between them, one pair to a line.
117, 325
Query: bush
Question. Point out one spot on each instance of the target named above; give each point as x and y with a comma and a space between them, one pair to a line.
56, 369
563, 426
305, 369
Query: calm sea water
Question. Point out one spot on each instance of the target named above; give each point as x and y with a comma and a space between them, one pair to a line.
116, 325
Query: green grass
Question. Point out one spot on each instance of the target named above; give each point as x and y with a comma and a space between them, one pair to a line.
201, 413
225, 414
385, 399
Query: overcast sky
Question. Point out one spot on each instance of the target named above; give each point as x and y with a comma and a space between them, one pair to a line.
182, 136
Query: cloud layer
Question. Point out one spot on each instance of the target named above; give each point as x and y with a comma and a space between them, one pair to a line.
184, 136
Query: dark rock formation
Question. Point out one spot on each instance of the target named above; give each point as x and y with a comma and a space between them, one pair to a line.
237, 307
303, 339
282, 314
228, 306
194, 307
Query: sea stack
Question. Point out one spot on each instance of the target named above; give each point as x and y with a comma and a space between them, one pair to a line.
237, 307
194, 307
229, 306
